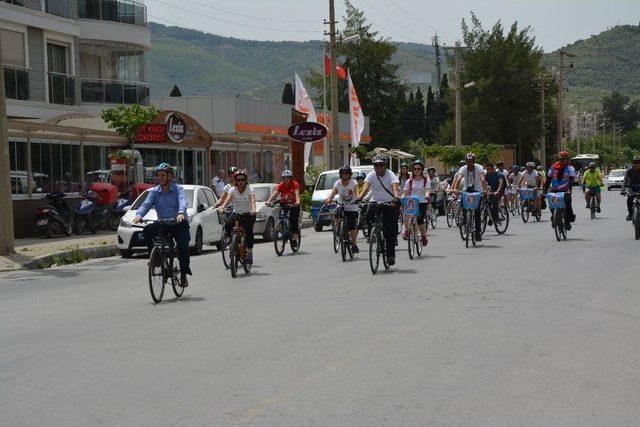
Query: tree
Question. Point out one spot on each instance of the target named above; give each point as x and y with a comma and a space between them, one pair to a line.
288, 96
419, 116
430, 126
619, 113
126, 119
408, 126
175, 92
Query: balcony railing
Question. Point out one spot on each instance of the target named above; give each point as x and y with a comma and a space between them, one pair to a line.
30, 4
16, 82
114, 92
124, 11
62, 89
58, 7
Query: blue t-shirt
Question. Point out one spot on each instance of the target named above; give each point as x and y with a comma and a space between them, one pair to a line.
167, 205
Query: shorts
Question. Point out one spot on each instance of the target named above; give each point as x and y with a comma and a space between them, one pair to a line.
352, 219
595, 189
422, 213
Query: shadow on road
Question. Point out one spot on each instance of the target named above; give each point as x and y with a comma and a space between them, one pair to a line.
181, 299
405, 271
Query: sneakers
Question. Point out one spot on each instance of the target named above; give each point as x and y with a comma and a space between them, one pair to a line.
294, 244
249, 258
478, 237
391, 260
598, 208
568, 226
355, 249
425, 240
184, 282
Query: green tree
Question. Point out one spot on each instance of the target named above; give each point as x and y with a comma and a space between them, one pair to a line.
126, 119
288, 97
175, 92
408, 125
419, 116
619, 113
430, 126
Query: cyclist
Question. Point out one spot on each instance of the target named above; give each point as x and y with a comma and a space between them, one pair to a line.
169, 202
592, 181
225, 190
434, 182
542, 173
403, 176
289, 192
243, 199
420, 186
500, 169
560, 177
497, 182
532, 179
384, 188
474, 181
632, 182
346, 189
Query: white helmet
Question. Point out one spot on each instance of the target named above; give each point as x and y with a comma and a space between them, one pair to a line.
287, 174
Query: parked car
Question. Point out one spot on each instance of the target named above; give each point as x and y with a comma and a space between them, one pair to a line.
205, 226
615, 178
322, 190
266, 217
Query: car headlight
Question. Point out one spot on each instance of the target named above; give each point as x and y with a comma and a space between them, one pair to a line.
124, 223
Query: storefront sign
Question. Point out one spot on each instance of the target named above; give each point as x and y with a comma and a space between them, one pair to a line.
176, 128
307, 132
172, 127
155, 134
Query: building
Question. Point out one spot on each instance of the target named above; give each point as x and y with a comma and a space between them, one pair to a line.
583, 125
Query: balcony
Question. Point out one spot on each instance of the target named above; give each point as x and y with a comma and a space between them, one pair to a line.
62, 89
123, 11
29, 4
58, 7
114, 92
16, 83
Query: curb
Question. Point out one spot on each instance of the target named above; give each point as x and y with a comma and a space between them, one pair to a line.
47, 261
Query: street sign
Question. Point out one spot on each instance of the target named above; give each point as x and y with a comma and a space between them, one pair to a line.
307, 132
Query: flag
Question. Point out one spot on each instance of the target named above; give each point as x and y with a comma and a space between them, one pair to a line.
342, 73
304, 104
356, 115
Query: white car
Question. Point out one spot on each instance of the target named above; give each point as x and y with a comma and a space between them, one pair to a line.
204, 222
615, 178
267, 217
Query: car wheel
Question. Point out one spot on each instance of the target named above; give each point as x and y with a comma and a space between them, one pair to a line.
267, 236
608, 188
124, 253
197, 248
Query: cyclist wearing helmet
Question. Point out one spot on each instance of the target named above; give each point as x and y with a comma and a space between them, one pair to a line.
474, 181
403, 176
560, 177
632, 182
532, 179
434, 182
346, 189
592, 181
169, 202
418, 185
244, 201
497, 182
289, 192
384, 188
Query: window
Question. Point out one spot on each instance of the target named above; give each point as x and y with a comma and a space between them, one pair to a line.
61, 85
211, 198
202, 199
12, 48
18, 167
58, 58
58, 7
16, 76
89, 9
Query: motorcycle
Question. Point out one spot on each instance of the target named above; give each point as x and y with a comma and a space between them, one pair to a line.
118, 210
90, 213
56, 218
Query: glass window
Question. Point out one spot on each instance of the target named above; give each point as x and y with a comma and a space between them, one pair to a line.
326, 181
58, 58
89, 9
12, 48
18, 167
262, 193
91, 61
211, 198
58, 7
202, 199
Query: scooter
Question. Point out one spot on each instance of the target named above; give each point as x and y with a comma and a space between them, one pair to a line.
56, 218
117, 211
90, 213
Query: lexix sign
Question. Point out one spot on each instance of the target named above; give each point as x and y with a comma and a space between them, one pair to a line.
173, 127
307, 132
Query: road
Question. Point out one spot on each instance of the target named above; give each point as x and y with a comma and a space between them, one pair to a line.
522, 330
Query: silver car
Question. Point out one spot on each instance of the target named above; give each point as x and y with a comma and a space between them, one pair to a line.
615, 178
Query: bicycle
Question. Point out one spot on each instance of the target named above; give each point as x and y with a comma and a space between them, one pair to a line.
514, 201
556, 205
162, 265
362, 219
281, 233
593, 202
432, 212
410, 209
238, 251
527, 197
501, 223
344, 237
635, 218
377, 243
225, 239
470, 202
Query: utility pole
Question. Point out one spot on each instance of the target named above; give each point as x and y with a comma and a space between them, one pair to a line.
6, 218
560, 99
325, 144
335, 125
436, 45
458, 90
579, 133
543, 142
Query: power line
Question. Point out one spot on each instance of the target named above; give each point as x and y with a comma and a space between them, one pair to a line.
176, 24
235, 23
417, 20
394, 21
249, 16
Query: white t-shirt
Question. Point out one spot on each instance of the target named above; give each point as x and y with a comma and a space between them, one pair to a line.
418, 188
226, 188
241, 202
531, 179
472, 178
515, 178
378, 193
347, 194
435, 182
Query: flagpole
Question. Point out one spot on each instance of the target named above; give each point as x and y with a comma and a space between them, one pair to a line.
325, 143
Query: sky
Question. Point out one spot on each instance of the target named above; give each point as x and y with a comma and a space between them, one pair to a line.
555, 23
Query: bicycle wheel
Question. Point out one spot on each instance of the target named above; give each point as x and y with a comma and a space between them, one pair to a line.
537, 213
245, 265
484, 218
374, 253
459, 214
462, 227
434, 216
400, 223
524, 213
502, 222
225, 241
592, 207
557, 224
382, 247
469, 227
563, 229
450, 215
343, 240
233, 256
279, 242
298, 242
157, 274
636, 222
335, 228
175, 278
418, 242
411, 238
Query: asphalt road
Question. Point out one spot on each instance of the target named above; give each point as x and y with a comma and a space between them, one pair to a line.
521, 330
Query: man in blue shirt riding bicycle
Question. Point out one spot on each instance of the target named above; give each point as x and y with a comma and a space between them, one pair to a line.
169, 201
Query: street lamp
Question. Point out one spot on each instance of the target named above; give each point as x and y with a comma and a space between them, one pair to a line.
459, 110
470, 84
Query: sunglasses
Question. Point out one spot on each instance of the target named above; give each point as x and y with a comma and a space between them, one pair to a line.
378, 166
241, 179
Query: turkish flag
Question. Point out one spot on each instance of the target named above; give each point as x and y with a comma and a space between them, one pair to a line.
342, 73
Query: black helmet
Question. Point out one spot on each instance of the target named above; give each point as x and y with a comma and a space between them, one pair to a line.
500, 163
592, 164
636, 160
453, 171
379, 159
232, 170
404, 165
345, 168
418, 162
359, 175
462, 163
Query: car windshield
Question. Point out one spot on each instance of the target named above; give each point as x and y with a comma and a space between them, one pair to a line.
140, 200
617, 173
326, 181
262, 193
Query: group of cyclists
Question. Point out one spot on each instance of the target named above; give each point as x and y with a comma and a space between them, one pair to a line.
383, 190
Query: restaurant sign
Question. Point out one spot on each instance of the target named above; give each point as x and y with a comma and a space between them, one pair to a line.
172, 127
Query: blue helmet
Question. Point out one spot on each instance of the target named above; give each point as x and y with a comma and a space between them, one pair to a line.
164, 167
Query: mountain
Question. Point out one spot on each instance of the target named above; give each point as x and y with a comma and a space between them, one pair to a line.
206, 64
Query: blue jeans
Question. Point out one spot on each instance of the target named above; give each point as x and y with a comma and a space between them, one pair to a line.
178, 232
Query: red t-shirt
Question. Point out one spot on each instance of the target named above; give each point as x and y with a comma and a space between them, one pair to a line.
288, 192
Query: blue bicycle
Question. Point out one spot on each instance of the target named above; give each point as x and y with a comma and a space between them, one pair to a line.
281, 233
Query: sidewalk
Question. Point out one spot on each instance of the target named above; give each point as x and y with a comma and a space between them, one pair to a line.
39, 252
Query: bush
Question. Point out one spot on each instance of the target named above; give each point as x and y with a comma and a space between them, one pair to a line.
305, 201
